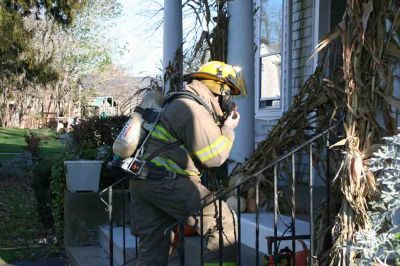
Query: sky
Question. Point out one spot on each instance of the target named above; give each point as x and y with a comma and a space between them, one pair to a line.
135, 30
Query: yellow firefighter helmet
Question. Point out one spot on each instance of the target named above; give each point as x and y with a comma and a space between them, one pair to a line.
220, 78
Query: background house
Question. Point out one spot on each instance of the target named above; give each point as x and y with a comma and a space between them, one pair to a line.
112, 93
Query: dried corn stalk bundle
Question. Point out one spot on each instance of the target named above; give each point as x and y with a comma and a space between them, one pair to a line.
370, 48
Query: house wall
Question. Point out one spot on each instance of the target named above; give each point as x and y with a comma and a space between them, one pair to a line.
302, 44
310, 21
262, 128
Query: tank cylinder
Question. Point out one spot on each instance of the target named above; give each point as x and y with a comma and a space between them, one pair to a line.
128, 139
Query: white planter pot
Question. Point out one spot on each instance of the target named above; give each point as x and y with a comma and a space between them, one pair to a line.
83, 175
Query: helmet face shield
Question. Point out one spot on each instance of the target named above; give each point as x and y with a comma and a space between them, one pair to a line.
239, 83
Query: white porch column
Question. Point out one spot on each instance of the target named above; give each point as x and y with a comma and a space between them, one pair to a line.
241, 53
172, 36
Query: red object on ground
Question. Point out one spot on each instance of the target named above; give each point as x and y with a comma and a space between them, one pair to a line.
285, 257
301, 258
187, 231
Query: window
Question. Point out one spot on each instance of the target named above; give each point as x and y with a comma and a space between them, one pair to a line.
270, 54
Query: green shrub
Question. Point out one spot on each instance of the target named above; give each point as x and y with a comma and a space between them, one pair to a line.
57, 187
94, 132
41, 173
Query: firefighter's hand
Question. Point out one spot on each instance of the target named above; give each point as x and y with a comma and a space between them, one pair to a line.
232, 121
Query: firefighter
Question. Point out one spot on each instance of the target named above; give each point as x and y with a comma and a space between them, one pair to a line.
193, 133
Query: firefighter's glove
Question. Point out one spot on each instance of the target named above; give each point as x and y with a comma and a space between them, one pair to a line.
232, 121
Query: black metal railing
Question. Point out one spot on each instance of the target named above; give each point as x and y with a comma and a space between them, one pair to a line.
219, 196
108, 193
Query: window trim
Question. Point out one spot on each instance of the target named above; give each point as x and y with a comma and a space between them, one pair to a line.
269, 113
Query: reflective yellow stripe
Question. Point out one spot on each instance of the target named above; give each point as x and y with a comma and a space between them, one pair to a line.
215, 149
160, 128
158, 136
160, 133
171, 166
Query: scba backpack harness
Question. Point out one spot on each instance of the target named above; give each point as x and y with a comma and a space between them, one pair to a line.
135, 165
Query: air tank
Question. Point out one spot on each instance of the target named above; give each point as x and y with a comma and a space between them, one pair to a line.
133, 132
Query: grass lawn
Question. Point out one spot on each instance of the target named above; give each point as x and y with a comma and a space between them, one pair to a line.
12, 140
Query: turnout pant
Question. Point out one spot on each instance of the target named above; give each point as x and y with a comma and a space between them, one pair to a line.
156, 205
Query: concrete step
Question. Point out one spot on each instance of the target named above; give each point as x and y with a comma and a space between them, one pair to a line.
87, 256
118, 254
192, 244
193, 253
130, 246
266, 223
96, 255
